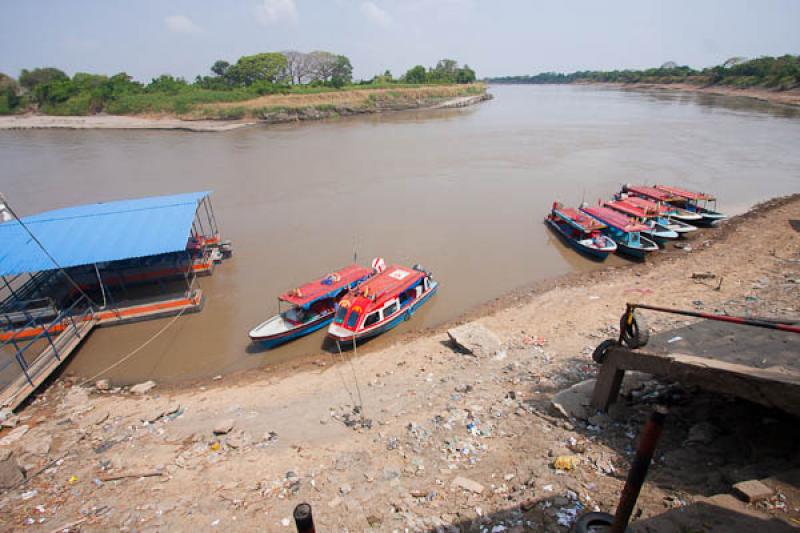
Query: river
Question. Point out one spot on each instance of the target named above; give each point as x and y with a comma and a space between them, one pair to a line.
462, 192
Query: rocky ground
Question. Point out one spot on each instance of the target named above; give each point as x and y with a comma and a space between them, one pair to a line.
430, 434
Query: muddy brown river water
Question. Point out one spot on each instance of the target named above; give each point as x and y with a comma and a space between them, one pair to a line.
461, 191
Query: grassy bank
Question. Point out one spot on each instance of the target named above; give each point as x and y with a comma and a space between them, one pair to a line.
353, 100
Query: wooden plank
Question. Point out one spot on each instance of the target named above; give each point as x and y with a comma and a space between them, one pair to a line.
778, 388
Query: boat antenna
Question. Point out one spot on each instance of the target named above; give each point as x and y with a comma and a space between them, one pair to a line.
355, 250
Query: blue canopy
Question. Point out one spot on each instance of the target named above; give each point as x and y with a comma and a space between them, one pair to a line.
95, 233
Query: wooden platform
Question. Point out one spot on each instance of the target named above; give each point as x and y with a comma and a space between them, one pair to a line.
44, 365
777, 386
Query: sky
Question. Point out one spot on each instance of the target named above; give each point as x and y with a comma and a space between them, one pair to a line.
146, 38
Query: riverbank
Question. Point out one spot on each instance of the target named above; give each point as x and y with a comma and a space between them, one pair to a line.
786, 97
444, 438
271, 109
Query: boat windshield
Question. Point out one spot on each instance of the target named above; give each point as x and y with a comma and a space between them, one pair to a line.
340, 313
352, 320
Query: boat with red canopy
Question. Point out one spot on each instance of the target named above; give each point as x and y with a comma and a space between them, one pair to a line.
700, 203
648, 216
663, 213
664, 199
381, 303
311, 306
625, 231
582, 232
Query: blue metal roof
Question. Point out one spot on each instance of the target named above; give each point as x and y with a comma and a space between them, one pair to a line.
94, 233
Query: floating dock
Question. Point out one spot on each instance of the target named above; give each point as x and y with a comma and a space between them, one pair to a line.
70, 270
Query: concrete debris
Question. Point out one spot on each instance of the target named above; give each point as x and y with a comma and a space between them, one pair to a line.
467, 484
476, 339
574, 402
102, 385
40, 445
14, 435
11, 474
224, 426
752, 491
143, 388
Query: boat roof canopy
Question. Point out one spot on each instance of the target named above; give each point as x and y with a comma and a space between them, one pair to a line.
683, 193
615, 219
646, 204
631, 208
97, 233
650, 192
327, 286
578, 220
386, 285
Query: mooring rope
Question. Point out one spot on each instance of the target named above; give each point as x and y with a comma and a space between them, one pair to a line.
339, 371
137, 350
355, 377
145, 343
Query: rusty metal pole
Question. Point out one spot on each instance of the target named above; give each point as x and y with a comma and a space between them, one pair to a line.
638, 471
303, 519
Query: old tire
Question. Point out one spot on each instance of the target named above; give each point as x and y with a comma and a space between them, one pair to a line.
593, 523
636, 334
599, 354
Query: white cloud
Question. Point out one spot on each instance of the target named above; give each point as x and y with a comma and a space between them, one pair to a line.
271, 11
181, 24
375, 14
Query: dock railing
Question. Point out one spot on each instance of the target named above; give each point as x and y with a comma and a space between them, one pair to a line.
62, 333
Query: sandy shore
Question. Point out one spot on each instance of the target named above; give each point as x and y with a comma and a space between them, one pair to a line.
117, 122
789, 97
445, 441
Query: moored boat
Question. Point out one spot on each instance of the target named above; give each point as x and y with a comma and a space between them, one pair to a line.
580, 231
663, 198
311, 306
678, 226
700, 203
381, 303
626, 232
659, 232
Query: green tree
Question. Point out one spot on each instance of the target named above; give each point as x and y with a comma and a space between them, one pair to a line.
31, 78
220, 67
342, 73
9, 94
269, 67
416, 74
167, 84
465, 75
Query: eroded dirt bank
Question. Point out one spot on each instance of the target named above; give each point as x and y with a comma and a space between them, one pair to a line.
786, 97
444, 440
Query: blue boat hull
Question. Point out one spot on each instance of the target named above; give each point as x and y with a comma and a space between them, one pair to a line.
591, 253
277, 340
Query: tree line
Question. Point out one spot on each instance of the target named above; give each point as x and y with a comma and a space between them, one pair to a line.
772, 72
52, 91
